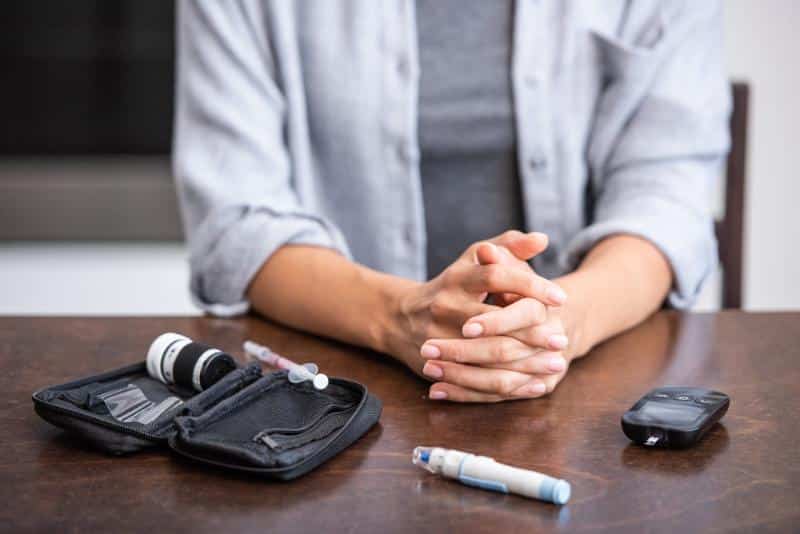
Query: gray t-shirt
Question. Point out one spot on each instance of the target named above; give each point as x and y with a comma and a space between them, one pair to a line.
470, 182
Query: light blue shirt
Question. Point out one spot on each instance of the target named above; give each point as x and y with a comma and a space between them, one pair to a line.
296, 123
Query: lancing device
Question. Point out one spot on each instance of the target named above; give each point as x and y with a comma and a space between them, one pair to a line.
483, 472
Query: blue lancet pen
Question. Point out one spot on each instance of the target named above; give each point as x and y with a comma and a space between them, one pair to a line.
483, 472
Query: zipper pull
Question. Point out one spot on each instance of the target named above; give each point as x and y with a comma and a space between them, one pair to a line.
264, 438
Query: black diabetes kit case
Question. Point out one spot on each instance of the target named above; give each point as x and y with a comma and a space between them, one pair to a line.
247, 421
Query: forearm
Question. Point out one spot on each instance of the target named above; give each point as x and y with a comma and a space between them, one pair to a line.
619, 283
317, 290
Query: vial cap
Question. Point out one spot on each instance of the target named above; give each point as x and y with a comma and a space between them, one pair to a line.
156, 353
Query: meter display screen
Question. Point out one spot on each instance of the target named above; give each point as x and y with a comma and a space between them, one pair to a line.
663, 413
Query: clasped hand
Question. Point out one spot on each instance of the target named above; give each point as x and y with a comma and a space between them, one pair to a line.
488, 328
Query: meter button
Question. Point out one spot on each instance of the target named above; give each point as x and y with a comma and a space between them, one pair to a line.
683, 398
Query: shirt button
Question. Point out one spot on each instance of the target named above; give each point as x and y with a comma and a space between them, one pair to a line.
402, 153
533, 79
408, 234
537, 163
402, 66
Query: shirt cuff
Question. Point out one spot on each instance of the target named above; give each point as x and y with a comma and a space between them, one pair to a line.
686, 240
232, 246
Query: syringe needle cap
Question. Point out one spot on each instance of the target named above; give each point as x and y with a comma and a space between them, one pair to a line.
320, 381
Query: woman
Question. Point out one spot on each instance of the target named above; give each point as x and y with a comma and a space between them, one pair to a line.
343, 166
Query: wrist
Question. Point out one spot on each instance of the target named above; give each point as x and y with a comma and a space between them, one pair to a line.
574, 314
386, 318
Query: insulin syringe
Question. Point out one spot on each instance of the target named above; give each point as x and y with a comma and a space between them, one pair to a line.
485, 473
297, 372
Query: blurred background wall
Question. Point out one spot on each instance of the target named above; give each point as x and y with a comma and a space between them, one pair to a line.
88, 219
88, 216
763, 46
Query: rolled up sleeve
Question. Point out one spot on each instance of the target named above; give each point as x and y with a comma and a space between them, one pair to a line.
637, 202
230, 160
657, 174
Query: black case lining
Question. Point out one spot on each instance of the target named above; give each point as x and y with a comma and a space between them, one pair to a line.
246, 421
74, 406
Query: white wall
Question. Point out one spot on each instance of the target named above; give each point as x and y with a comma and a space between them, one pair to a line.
94, 279
763, 47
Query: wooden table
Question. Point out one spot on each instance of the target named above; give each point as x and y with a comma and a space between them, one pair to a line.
744, 476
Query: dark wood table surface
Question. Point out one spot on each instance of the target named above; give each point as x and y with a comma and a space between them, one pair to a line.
744, 476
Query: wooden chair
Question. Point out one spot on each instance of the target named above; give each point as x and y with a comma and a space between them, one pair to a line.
730, 229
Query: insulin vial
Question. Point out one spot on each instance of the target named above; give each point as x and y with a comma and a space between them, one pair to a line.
176, 359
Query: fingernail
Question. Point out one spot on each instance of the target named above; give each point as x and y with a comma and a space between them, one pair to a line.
437, 395
556, 364
433, 371
556, 295
430, 351
557, 341
472, 329
538, 235
531, 390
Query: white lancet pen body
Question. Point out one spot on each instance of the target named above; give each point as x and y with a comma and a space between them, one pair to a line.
297, 372
485, 473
